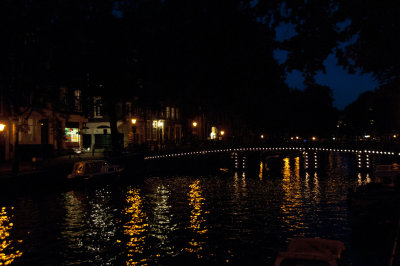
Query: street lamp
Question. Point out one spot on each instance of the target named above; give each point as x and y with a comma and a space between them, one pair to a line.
2, 126
133, 121
194, 124
222, 133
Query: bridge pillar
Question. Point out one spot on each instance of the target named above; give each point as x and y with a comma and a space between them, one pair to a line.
236, 160
363, 161
310, 160
240, 161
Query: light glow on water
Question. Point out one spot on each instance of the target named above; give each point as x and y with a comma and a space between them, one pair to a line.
135, 228
8, 247
197, 219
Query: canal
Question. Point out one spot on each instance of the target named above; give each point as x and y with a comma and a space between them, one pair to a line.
216, 218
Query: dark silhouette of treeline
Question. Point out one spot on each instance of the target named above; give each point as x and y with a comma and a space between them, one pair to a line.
213, 54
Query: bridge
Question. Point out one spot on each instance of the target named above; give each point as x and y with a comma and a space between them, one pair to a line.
310, 153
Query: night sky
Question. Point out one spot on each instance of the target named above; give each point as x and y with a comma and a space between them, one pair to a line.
345, 87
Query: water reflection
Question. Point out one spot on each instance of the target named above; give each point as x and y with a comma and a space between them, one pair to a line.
292, 214
135, 228
162, 227
74, 218
361, 180
197, 219
101, 223
167, 220
89, 226
8, 247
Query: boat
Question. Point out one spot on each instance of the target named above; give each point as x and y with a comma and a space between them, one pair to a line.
311, 251
387, 175
380, 193
375, 204
93, 168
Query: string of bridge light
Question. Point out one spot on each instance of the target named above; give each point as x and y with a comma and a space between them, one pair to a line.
180, 154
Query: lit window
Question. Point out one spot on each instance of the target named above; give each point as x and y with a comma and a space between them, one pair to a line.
71, 134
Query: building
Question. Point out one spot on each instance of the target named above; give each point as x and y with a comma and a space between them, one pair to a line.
41, 128
139, 125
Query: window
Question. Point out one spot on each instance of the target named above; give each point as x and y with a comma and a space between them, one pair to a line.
71, 134
178, 135
128, 109
1, 104
167, 111
173, 113
63, 96
97, 107
177, 113
148, 131
154, 130
78, 100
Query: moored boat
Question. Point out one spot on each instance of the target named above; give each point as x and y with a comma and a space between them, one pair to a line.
93, 168
311, 251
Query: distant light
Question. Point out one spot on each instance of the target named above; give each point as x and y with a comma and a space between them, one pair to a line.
133, 121
334, 138
222, 133
2, 126
395, 136
160, 123
194, 124
314, 138
367, 136
297, 137
262, 136
291, 138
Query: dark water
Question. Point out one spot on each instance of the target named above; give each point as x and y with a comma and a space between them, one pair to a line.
222, 218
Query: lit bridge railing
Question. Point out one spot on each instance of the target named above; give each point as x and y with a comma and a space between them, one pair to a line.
265, 149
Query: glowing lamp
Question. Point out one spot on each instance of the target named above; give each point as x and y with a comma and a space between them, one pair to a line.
133, 121
262, 136
2, 126
222, 133
194, 124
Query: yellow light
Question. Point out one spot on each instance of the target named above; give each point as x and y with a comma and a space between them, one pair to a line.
2, 126
314, 138
133, 121
160, 123
262, 136
394, 136
195, 124
297, 137
222, 133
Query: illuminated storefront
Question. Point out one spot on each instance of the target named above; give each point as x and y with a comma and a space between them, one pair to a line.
72, 134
